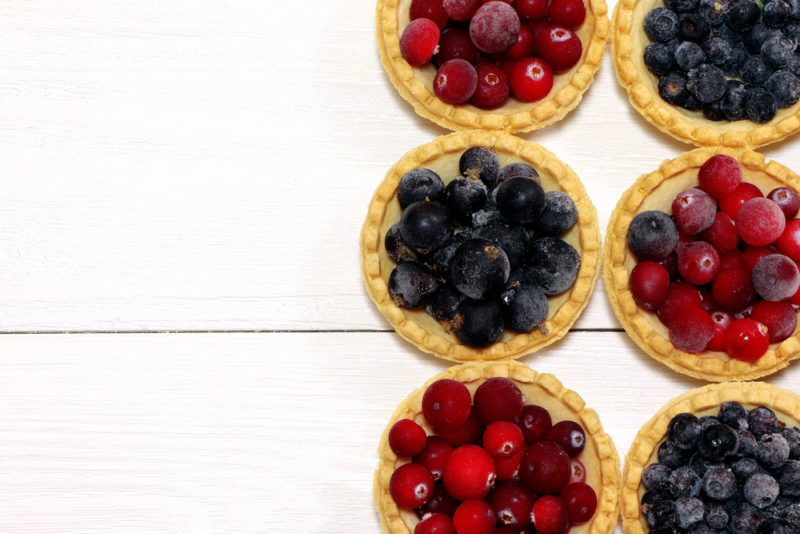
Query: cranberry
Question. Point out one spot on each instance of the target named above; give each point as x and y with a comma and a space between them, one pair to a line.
411, 485
681, 296
418, 41
512, 502
492, 89
535, 422
649, 284
434, 456
698, 263
440, 502
494, 27
469, 432
407, 438
789, 241
550, 515
707, 302
429, 9
474, 517
567, 13
524, 43
752, 255
461, 9
732, 289
775, 277
560, 47
456, 44
581, 502
692, 330
731, 202
779, 318
746, 340
435, 524
787, 199
760, 221
446, 403
469, 473
508, 64
531, 79
794, 299
545, 467
721, 234
455, 81
578, 473
502, 439
694, 210
530, 9
508, 468
730, 260
722, 320
719, 175
498, 399
537, 26
670, 263
569, 435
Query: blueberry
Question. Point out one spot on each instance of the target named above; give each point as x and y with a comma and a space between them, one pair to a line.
733, 100
748, 445
688, 511
681, 6
693, 27
759, 105
672, 88
398, 249
792, 31
661, 514
736, 59
784, 88
713, 111
794, 65
775, 13
443, 304
742, 14
525, 307
516, 169
691, 103
792, 436
708, 420
512, 239
744, 519
755, 37
439, 260
426, 225
685, 431
773, 525
744, 468
716, 515
707, 83
656, 476
755, 72
479, 269
718, 442
789, 479
520, 200
411, 283
725, 31
558, 216
661, 24
717, 50
773, 451
701, 528
419, 184
777, 52
689, 55
761, 420
672, 456
479, 324
794, 9
653, 496
684, 482
553, 264
464, 196
699, 464
719, 482
761, 490
659, 58
792, 513
480, 163
713, 11
652, 235
733, 414
486, 217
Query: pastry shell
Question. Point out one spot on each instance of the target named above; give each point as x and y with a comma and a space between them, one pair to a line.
415, 84
599, 455
701, 401
627, 48
442, 156
656, 191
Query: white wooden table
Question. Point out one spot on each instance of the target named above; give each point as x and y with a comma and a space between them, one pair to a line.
186, 342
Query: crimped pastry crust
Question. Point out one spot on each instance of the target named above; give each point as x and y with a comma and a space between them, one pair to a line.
701, 401
599, 455
656, 191
442, 156
415, 84
627, 47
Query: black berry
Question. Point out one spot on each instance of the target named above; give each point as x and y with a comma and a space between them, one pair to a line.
553, 264
426, 225
419, 184
480, 163
478, 323
652, 235
410, 283
525, 306
520, 200
479, 269
558, 216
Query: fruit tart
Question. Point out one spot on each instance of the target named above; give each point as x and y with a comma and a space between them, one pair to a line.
480, 246
499, 65
496, 447
721, 458
710, 72
701, 264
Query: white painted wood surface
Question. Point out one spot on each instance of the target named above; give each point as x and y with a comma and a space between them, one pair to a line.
205, 166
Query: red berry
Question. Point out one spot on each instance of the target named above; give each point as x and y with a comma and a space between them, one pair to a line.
794, 299
461, 9
435, 524
440, 502
512, 502
779, 318
578, 473
508, 468
746, 340
434, 456
649, 284
789, 241
694, 210
474, 517
692, 330
550, 515
707, 302
545, 467
456, 44
730, 260
508, 64
407, 438
581, 502
698, 263
429, 9
732, 289
567, 13
787, 199
760, 222
722, 320
469, 432
469, 473
530, 9
418, 41
560, 47
569, 435
411, 485
775, 277
531, 79
535, 422
524, 43
752, 255
670, 263
731, 202
498, 399
446, 404
492, 89
719, 175
721, 234
494, 27
502, 439
455, 82
537, 26
681, 296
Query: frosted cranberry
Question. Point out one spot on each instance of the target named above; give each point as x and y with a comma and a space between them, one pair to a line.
418, 41
732, 202
719, 175
581, 501
692, 330
461, 9
537, 26
531, 79
474, 517
440, 502
721, 234
730, 260
535, 422
578, 471
746, 340
429, 9
512, 502
787, 199
698, 263
752, 255
649, 284
469, 432
560, 47
550, 515
411, 485
794, 299
407, 438
760, 222
567, 13
455, 82
545, 467
493, 89
530, 9
494, 27
469, 473
498, 399
789, 241
670, 263
502, 439
775, 277
680, 297
732, 289
569, 435
779, 318
694, 210
434, 456
722, 320
508, 468
455, 43
524, 43
435, 524
446, 403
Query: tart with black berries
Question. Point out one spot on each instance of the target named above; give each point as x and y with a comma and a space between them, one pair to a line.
480, 246
711, 72
700, 264
490, 447
457, 61
720, 458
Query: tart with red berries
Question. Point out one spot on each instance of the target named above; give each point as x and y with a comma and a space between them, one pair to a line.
700, 264
480, 246
457, 61
723, 456
512, 449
